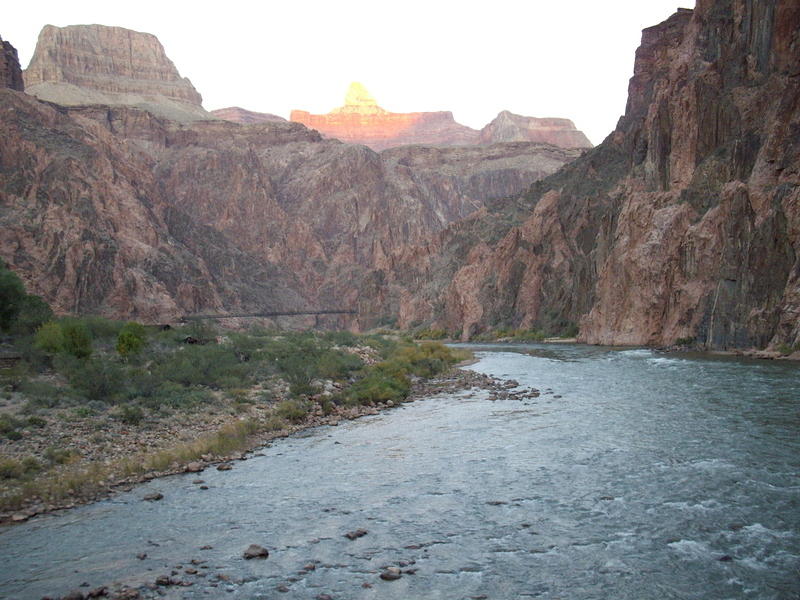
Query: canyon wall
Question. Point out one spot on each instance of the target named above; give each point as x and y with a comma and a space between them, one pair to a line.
10, 73
362, 121
683, 223
239, 115
114, 209
96, 64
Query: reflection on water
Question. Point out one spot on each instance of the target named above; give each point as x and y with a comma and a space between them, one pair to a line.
633, 476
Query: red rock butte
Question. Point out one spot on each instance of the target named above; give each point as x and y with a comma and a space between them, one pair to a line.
362, 121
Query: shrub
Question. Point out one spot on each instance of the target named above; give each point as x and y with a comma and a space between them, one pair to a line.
685, 341
49, 338
59, 456
291, 410
431, 334
131, 339
337, 364
97, 379
130, 414
212, 366
77, 339
12, 292
32, 314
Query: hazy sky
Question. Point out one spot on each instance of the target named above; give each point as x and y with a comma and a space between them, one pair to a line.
541, 58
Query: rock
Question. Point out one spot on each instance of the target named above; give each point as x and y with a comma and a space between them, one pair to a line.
362, 121
19, 517
323, 597
10, 73
725, 558
97, 592
198, 481
141, 555
700, 158
96, 64
74, 595
508, 127
352, 535
391, 574
244, 117
224, 467
155, 496
163, 580
206, 547
255, 551
203, 487
195, 467
282, 588
310, 567
190, 571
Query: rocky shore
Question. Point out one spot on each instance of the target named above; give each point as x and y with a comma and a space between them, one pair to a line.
119, 440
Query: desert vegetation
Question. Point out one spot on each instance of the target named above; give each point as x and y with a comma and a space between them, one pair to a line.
86, 402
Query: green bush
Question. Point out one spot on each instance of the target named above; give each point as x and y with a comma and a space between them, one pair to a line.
32, 314
131, 339
291, 410
430, 334
77, 339
49, 338
12, 292
333, 364
212, 366
97, 379
130, 414
101, 328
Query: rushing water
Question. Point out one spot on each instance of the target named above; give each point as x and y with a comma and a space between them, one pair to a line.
638, 476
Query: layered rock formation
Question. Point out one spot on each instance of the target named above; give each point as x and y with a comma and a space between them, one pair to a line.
10, 73
95, 64
362, 121
116, 211
508, 127
235, 114
684, 223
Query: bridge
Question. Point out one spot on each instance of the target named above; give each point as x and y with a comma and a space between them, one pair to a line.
286, 313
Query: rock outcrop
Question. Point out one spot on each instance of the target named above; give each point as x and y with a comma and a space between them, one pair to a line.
235, 114
508, 127
10, 73
362, 121
683, 223
94, 64
114, 210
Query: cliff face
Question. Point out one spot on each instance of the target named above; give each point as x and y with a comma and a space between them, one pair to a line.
235, 114
508, 127
113, 210
684, 222
10, 73
362, 121
87, 226
96, 64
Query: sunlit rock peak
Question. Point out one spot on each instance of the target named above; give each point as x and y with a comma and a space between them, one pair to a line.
359, 100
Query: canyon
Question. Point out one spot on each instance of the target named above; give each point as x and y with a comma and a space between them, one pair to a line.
130, 200
112, 208
362, 121
684, 224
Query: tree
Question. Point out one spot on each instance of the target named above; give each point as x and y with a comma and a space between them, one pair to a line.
49, 338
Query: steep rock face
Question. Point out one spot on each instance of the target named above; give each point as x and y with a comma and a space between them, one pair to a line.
684, 222
96, 64
362, 121
235, 114
85, 223
115, 210
10, 73
508, 127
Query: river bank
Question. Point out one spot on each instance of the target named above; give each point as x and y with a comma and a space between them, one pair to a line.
105, 471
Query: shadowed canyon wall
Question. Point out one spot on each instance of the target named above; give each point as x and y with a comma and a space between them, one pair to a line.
10, 73
683, 223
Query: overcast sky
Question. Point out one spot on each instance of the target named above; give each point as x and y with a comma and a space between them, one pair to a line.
541, 58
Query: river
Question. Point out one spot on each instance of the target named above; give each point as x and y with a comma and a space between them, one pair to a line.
633, 476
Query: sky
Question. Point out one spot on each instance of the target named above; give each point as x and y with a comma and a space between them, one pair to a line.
539, 58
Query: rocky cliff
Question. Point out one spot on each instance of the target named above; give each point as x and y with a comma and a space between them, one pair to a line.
683, 223
95, 64
117, 211
508, 127
10, 73
244, 117
362, 121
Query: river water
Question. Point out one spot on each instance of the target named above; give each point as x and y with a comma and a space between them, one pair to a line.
633, 476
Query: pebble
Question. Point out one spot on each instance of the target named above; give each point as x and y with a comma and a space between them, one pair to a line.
352, 535
224, 467
153, 497
391, 574
255, 551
